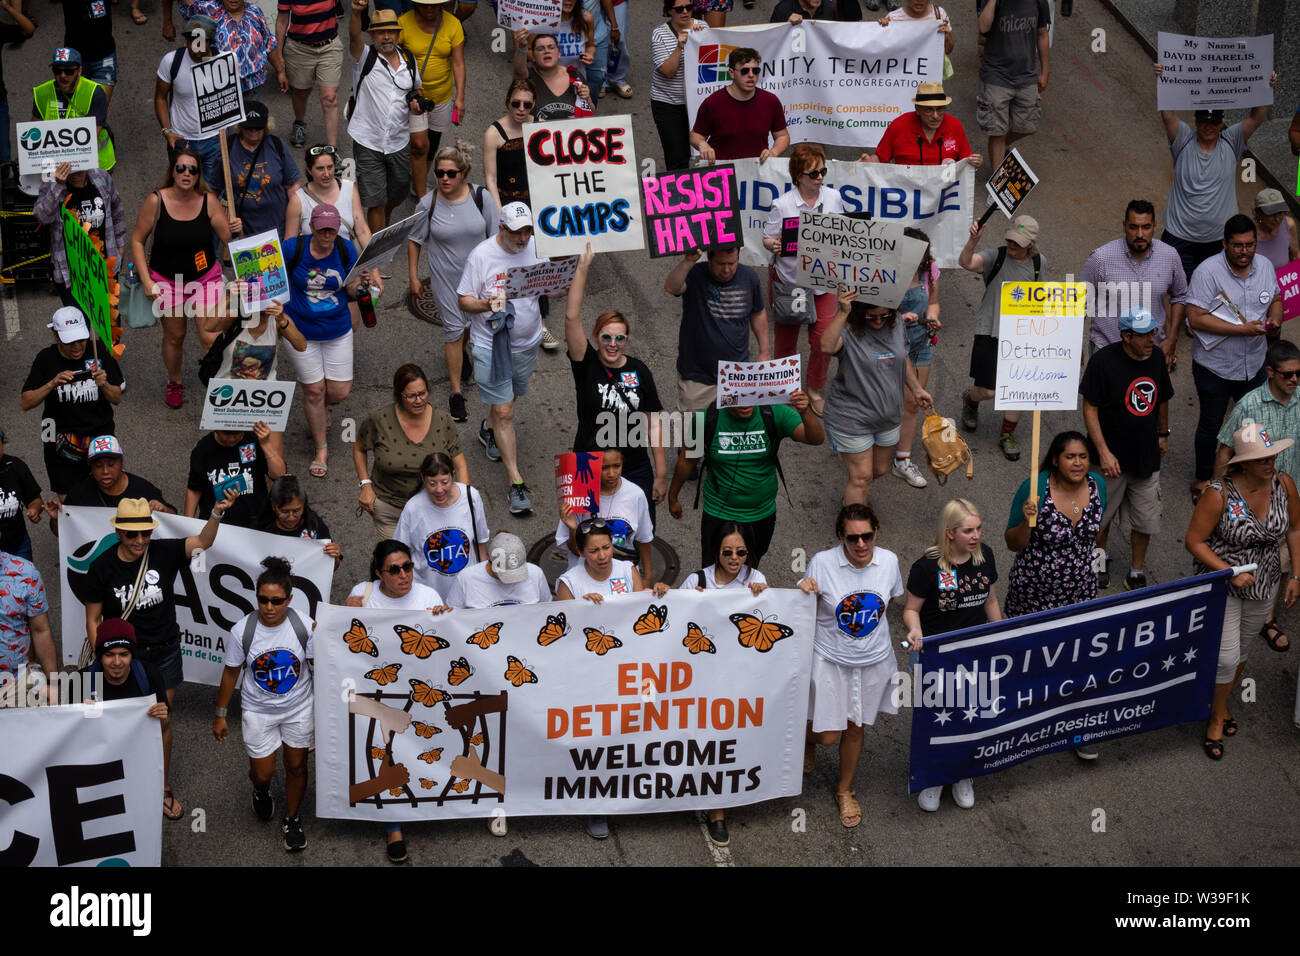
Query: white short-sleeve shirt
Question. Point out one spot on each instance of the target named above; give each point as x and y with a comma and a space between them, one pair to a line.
852, 628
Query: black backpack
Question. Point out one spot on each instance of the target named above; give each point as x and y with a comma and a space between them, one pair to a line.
369, 64
773, 440
1002, 257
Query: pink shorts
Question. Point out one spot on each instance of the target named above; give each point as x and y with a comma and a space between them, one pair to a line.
202, 295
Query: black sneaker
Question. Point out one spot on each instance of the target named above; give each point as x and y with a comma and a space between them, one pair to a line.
456, 405
488, 441
718, 835
1135, 580
397, 851
263, 803
294, 838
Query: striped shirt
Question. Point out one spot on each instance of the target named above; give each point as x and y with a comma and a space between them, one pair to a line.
1261, 408
311, 21
1238, 358
663, 41
1117, 281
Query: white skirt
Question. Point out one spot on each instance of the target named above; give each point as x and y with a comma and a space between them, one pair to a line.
839, 694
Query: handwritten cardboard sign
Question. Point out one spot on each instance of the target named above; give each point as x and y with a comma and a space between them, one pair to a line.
692, 209
1040, 341
869, 255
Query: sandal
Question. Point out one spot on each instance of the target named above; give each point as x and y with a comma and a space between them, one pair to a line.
850, 809
1229, 727
170, 799
139, 18
1274, 635
1213, 748
318, 469
625, 91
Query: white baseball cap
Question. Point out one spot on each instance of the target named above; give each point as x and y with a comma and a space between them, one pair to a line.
70, 324
516, 215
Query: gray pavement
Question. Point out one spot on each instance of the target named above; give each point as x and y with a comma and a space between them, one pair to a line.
1165, 804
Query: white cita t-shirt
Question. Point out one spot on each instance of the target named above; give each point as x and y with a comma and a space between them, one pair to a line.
474, 587
625, 512
744, 579
421, 597
277, 679
485, 272
852, 629
580, 582
442, 539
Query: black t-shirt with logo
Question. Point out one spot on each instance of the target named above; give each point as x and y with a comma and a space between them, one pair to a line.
77, 408
110, 581
618, 391
953, 599
88, 493
214, 467
314, 529
1128, 394
88, 28
17, 487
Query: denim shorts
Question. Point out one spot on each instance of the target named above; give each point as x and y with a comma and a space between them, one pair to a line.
505, 391
101, 71
857, 444
919, 349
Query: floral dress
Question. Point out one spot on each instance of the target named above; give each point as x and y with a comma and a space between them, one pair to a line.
1055, 568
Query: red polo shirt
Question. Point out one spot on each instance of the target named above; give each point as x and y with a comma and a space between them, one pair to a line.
899, 144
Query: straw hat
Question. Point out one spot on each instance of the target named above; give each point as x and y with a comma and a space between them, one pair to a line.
133, 514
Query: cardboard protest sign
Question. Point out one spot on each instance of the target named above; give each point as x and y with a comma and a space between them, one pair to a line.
1040, 343
216, 84
533, 15
382, 245
1010, 183
259, 261
758, 383
236, 405
43, 145
1288, 280
691, 209
583, 184
1209, 73
871, 256
89, 273
550, 277
577, 481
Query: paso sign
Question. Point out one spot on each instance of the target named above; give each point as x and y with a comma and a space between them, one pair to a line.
232, 404
43, 145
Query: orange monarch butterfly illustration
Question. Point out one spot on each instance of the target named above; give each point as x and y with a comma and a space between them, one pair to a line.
378, 753
384, 675
359, 639
600, 643
425, 730
476, 739
757, 632
396, 791
427, 784
654, 620
417, 642
517, 673
555, 628
429, 756
422, 693
486, 637
696, 641
460, 786
459, 672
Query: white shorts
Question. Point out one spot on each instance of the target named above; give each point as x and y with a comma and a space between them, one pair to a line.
839, 694
437, 119
263, 733
323, 360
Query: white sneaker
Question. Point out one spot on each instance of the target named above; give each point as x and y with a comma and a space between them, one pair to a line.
549, 341
963, 793
929, 798
906, 469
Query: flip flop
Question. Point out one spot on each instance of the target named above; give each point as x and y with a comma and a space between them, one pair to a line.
850, 809
169, 798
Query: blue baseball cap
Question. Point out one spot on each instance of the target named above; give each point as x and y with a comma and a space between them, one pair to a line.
66, 56
1137, 321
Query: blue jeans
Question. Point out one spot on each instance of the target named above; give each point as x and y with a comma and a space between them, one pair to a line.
596, 71
618, 70
1213, 394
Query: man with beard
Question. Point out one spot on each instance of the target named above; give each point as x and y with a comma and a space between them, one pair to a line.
1136, 270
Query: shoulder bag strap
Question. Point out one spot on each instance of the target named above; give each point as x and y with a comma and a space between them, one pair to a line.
139, 582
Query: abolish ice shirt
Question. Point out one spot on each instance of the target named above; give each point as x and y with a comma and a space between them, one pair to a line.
278, 679
852, 629
442, 540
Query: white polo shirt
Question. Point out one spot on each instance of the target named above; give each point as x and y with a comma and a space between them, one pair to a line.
852, 629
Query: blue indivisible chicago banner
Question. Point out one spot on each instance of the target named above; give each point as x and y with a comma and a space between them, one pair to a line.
989, 697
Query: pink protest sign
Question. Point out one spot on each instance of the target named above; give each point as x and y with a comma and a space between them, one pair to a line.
577, 481
1288, 280
692, 209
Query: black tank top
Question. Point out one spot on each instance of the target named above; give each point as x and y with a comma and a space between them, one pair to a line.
512, 172
181, 247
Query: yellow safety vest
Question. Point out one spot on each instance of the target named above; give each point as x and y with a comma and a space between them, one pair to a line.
50, 108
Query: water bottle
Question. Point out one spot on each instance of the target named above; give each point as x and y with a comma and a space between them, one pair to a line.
131, 277
366, 303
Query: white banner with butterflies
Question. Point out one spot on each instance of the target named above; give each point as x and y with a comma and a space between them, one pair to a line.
635, 705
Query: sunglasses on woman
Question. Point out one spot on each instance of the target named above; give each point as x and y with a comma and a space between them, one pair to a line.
183, 168
273, 601
860, 538
521, 104
738, 553
591, 524
684, 8
406, 567
816, 173
322, 151
446, 173
611, 337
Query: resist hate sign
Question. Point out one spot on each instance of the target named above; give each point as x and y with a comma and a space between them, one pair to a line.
871, 256
1040, 340
691, 209
582, 180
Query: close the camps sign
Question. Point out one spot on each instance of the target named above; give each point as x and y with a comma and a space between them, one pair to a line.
583, 182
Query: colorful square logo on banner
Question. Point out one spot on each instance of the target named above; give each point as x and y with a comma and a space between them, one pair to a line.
713, 63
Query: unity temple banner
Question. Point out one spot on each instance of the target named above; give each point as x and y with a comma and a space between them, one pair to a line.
841, 84
635, 705
992, 696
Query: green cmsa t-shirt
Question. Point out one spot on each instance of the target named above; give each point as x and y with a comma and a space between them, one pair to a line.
740, 480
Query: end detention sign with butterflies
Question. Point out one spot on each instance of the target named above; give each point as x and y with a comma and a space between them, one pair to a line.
637, 705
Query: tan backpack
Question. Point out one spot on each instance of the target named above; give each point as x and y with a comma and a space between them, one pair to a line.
946, 450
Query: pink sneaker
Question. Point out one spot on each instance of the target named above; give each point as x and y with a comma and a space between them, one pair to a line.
175, 395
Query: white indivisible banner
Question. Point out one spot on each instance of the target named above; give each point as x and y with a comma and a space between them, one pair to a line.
1214, 73
635, 705
938, 200
84, 784
841, 83
212, 592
